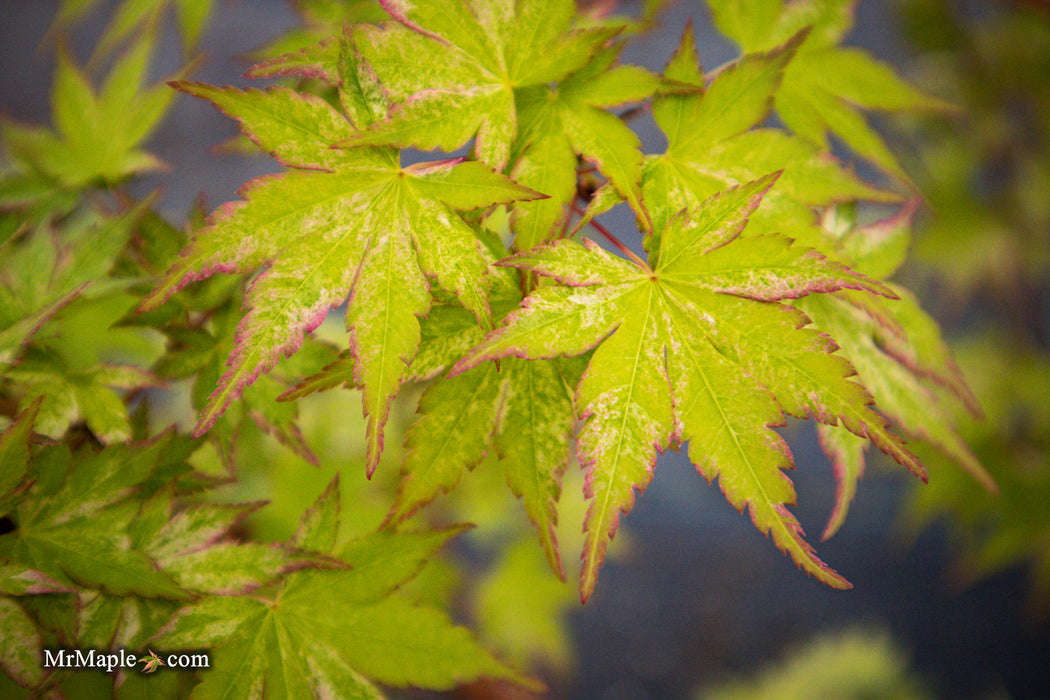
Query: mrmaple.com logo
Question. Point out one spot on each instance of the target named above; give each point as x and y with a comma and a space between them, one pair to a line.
109, 661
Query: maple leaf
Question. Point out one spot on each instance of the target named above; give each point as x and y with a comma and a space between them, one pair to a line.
49, 267
332, 633
14, 456
454, 68
544, 127
693, 349
151, 662
524, 408
901, 359
826, 85
343, 223
896, 349
487, 407
557, 124
79, 153
715, 142
72, 523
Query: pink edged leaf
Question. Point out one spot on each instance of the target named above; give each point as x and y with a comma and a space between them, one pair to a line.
367, 233
456, 418
846, 452
681, 356
727, 418
536, 424
905, 332
625, 402
572, 264
603, 139
800, 366
297, 129
454, 70
552, 322
319, 61
905, 395
770, 268
719, 220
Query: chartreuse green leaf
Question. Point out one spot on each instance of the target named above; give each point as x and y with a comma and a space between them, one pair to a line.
453, 69
826, 85
846, 452
901, 359
49, 267
524, 408
878, 249
72, 525
296, 129
365, 229
333, 633
556, 124
897, 351
694, 349
715, 141
98, 133
475, 72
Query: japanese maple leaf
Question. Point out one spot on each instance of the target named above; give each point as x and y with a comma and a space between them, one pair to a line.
826, 85
522, 409
897, 351
453, 67
695, 348
151, 662
559, 123
334, 633
342, 223
899, 356
715, 141
80, 151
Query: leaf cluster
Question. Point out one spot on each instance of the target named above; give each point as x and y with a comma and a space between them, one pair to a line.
447, 167
726, 215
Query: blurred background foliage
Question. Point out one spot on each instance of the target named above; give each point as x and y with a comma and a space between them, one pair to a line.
854, 664
982, 256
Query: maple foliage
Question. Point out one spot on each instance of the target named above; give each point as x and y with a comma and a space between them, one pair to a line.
328, 632
446, 169
436, 76
662, 371
384, 230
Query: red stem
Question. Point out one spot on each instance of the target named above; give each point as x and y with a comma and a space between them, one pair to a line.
614, 240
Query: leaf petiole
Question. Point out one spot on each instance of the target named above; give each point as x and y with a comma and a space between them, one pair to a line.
628, 253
